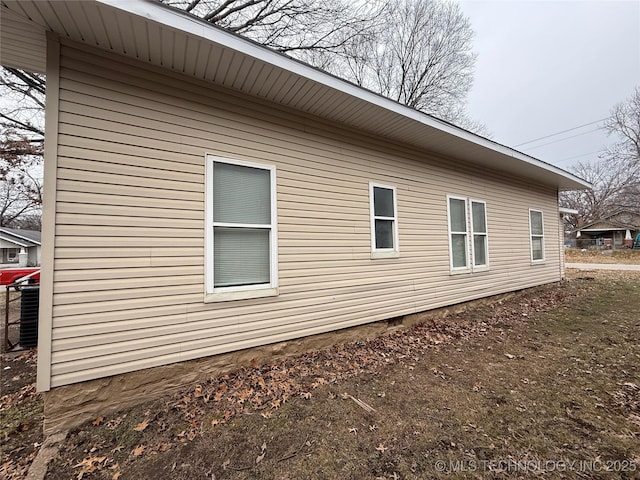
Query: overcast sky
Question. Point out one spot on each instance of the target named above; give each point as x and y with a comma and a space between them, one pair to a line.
548, 66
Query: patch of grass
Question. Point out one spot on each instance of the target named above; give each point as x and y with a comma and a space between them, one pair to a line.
543, 383
623, 256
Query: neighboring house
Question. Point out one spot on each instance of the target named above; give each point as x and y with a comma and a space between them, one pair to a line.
616, 230
14, 241
204, 194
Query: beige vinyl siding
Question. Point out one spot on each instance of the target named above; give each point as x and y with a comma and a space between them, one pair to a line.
23, 42
129, 251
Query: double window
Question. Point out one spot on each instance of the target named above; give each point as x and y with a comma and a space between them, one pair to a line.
384, 221
241, 237
467, 228
536, 227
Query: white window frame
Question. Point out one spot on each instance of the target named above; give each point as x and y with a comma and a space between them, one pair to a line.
213, 294
485, 266
531, 235
467, 267
383, 252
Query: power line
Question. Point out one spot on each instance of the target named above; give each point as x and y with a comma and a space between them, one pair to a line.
563, 139
563, 131
577, 156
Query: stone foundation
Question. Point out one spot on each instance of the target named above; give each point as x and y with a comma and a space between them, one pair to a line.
71, 405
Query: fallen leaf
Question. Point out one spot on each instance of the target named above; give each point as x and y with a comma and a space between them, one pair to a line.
260, 457
98, 421
353, 430
113, 424
116, 476
142, 425
509, 356
381, 448
138, 450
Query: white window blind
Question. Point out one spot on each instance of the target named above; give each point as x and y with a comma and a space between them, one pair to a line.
242, 224
241, 194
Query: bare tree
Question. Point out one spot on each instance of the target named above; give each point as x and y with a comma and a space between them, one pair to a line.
20, 197
417, 52
21, 144
21, 187
611, 192
616, 175
311, 30
421, 57
624, 123
24, 99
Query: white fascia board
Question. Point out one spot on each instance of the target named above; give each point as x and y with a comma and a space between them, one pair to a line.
173, 18
30, 240
15, 242
612, 229
568, 211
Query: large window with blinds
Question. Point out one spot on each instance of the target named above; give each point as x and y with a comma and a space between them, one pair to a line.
241, 231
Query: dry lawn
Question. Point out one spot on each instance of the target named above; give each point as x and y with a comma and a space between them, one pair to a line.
624, 256
544, 383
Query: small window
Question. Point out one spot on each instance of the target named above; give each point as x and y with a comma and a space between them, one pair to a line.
479, 234
536, 226
384, 220
458, 236
12, 254
241, 231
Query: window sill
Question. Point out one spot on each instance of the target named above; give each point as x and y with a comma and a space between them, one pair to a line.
537, 262
480, 269
240, 295
460, 271
382, 254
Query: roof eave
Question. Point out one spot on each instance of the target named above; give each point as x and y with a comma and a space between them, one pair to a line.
391, 119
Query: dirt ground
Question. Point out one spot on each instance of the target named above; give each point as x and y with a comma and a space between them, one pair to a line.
543, 383
21, 411
14, 315
623, 256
